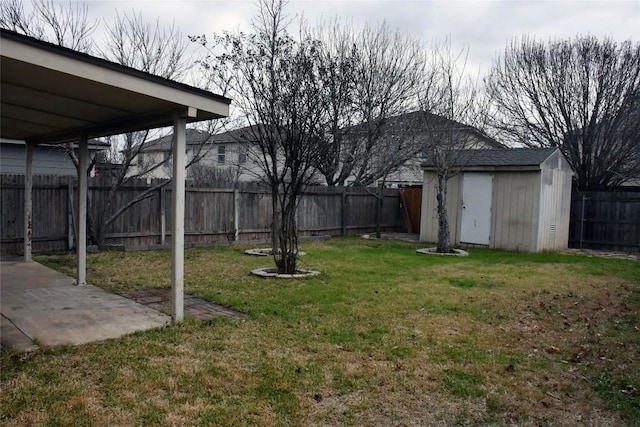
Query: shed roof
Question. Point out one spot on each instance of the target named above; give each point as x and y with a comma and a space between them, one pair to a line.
499, 158
508, 157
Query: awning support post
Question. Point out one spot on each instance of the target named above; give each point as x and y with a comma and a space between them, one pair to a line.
177, 227
81, 241
28, 203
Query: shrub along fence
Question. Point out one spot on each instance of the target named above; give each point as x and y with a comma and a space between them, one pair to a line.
606, 221
212, 215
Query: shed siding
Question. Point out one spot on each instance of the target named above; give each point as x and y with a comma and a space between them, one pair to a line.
429, 222
555, 205
516, 208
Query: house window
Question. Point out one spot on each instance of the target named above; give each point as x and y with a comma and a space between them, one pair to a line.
242, 155
221, 154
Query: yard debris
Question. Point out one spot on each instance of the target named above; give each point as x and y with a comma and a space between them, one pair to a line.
553, 350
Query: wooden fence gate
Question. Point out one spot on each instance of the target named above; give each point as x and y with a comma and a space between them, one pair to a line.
412, 198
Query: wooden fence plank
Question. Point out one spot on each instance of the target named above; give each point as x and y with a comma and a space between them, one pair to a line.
211, 214
605, 221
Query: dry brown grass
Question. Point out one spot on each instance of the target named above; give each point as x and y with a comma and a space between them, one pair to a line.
383, 337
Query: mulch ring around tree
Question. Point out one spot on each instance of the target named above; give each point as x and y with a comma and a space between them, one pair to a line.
405, 237
266, 252
198, 308
434, 251
272, 273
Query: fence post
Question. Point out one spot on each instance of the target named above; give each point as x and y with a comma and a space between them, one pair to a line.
71, 223
163, 219
343, 211
236, 215
582, 220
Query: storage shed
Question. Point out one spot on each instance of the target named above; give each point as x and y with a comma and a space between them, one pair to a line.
513, 199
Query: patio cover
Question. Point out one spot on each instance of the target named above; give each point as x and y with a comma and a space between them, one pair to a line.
51, 94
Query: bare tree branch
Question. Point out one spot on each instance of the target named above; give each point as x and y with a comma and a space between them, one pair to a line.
275, 82
453, 116
580, 95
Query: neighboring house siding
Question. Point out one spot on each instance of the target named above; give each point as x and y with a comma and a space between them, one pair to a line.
153, 158
47, 160
411, 172
234, 158
235, 154
239, 160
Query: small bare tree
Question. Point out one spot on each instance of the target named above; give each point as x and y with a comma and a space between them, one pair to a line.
339, 57
135, 43
276, 86
450, 103
64, 24
389, 70
149, 47
367, 77
580, 95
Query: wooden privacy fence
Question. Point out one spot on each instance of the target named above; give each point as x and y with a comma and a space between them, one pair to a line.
605, 220
211, 214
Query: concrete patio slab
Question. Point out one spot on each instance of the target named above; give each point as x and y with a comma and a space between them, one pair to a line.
41, 306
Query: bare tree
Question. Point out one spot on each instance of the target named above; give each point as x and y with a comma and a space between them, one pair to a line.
208, 176
580, 95
135, 43
450, 103
149, 47
368, 78
64, 24
276, 86
339, 57
389, 71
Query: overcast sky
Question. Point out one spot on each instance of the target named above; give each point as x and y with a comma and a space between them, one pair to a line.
484, 26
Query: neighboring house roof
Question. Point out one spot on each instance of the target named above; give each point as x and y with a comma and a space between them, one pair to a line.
502, 158
196, 137
243, 134
422, 121
193, 137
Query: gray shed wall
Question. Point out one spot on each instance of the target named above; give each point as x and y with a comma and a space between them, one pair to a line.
516, 204
530, 209
555, 204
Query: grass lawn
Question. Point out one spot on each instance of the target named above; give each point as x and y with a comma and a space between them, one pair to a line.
383, 337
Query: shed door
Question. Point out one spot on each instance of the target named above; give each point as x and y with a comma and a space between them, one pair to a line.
476, 208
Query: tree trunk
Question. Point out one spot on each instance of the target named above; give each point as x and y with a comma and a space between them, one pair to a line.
444, 238
285, 244
379, 202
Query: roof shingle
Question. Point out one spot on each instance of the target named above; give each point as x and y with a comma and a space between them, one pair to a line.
501, 157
